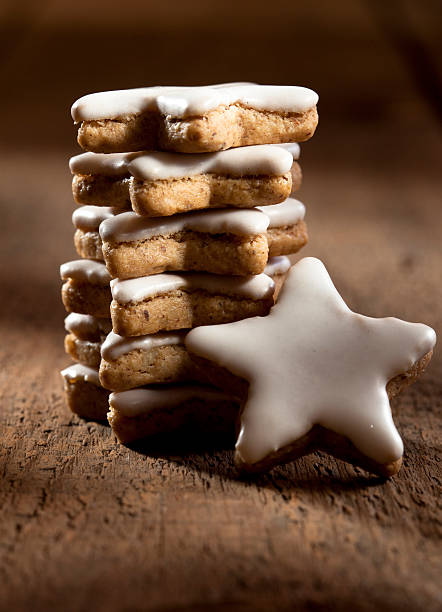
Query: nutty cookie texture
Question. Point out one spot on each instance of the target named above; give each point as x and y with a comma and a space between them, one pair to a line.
136, 361
168, 301
195, 119
217, 241
158, 184
319, 376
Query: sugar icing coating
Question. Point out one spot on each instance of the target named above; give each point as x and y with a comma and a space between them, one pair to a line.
108, 164
115, 346
83, 324
292, 147
79, 371
88, 218
273, 160
286, 213
242, 161
279, 264
140, 401
128, 226
256, 287
180, 102
86, 271
331, 366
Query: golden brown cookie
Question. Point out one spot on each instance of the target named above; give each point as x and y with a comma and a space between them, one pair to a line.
194, 120
231, 242
86, 288
129, 362
167, 301
160, 184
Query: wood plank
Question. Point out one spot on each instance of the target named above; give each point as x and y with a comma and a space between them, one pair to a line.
88, 524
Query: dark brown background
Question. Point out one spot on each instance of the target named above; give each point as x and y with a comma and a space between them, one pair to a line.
89, 525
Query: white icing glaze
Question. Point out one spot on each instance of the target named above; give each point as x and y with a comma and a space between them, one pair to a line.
286, 213
88, 218
128, 226
277, 265
292, 147
86, 271
255, 287
273, 160
314, 361
139, 401
242, 161
79, 371
115, 346
180, 102
107, 164
83, 324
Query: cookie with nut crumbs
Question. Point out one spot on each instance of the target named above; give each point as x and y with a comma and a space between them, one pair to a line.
318, 376
231, 242
194, 119
163, 302
129, 362
158, 184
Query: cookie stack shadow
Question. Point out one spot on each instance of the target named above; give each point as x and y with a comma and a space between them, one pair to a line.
171, 238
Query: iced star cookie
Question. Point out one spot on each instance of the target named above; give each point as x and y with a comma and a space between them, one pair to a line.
159, 184
194, 119
287, 230
87, 220
142, 413
129, 362
86, 288
84, 394
216, 241
319, 376
85, 337
164, 302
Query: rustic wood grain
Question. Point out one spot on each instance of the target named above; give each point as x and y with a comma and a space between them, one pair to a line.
87, 524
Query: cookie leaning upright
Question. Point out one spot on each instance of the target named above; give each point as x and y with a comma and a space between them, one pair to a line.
194, 119
317, 376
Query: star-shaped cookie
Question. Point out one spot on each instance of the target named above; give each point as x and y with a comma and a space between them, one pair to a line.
320, 376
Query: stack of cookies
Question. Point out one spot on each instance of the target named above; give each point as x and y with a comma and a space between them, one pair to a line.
186, 218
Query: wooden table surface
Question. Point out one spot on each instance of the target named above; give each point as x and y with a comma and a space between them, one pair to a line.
87, 524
